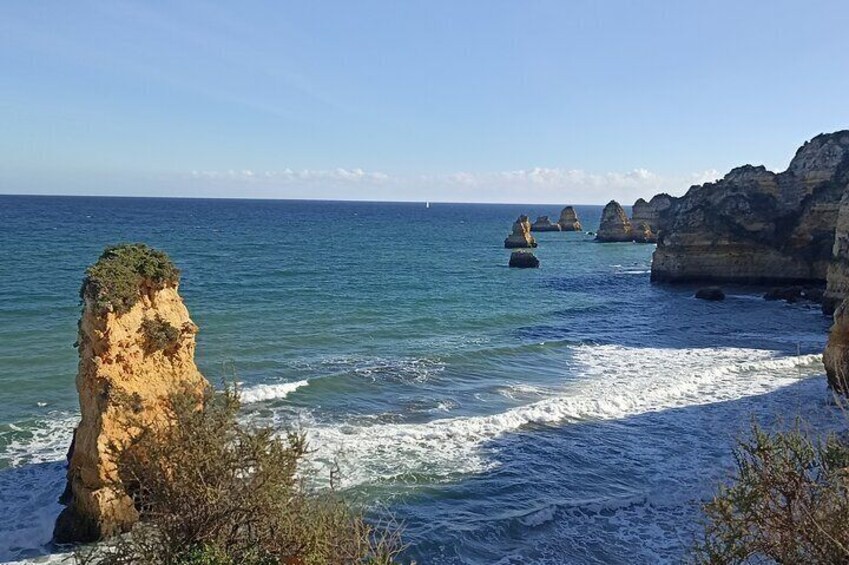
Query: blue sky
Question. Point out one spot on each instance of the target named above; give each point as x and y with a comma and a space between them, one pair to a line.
531, 101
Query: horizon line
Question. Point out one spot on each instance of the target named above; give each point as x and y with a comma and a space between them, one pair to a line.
328, 200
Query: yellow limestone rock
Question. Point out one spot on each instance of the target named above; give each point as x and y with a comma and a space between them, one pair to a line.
123, 371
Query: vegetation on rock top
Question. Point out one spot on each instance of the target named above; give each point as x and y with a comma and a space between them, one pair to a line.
114, 281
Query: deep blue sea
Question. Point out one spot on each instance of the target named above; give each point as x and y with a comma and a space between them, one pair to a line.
571, 414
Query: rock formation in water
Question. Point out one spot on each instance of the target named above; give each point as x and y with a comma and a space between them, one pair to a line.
759, 227
614, 225
136, 346
569, 220
837, 278
523, 260
521, 236
654, 213
542, 223
642, 233
712, 293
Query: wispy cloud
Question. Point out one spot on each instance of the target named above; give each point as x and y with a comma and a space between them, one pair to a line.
538, 184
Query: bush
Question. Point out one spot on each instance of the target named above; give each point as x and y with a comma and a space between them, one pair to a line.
114, 281
787, 503
158, 334
212, 491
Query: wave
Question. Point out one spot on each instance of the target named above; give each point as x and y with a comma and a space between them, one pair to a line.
616, 382
264, 393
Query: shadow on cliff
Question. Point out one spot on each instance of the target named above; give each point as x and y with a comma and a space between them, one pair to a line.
620, 491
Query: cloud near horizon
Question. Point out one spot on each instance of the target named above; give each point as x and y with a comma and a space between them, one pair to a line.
536, 185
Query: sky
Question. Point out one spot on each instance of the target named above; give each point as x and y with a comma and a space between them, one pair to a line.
516, 101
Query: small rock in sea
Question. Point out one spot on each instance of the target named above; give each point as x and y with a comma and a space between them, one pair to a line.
710, 293
521, 236
523, 260
544, 224
814, 294
790, 294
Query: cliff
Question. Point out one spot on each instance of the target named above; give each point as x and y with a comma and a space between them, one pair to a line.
521, 234
569, 220
614, 225
755, 226
837, 277
836, 355
136, 347
654, 213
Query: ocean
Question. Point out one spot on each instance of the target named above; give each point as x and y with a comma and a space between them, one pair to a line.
574, 413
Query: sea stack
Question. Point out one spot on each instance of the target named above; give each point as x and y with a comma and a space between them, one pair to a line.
758, 227
136, 346
542, 223
569, 220
523, 260
521, 236
614, 224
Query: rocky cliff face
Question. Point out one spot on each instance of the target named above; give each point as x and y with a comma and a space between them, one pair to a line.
756, 226
569, 220
654, 214
542, 223
614, 225
136, 346
521, 235
836, 355
837, 278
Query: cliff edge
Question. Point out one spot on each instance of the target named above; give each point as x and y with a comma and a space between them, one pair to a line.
758, 227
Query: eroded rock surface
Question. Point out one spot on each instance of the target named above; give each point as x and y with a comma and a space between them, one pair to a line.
136, 347
569, 220
521, 235
542, 223
756, 226
614, 225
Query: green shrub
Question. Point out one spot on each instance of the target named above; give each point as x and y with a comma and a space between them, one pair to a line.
213, 491
158, 334
788, 502
114, 281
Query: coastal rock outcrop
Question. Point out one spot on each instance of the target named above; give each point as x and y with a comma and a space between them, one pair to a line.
837, 277
653, 213
569, 220
755, 226
614, 225
521, 235
712, 293
136, 346
642, 233
523, 260
836, 354
542, 223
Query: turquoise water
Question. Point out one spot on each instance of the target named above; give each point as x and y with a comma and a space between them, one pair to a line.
571, 414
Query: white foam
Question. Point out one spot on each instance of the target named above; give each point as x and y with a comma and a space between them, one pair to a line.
264, 393
615, 382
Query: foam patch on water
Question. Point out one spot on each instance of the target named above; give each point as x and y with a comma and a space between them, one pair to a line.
264, 393
615, 382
